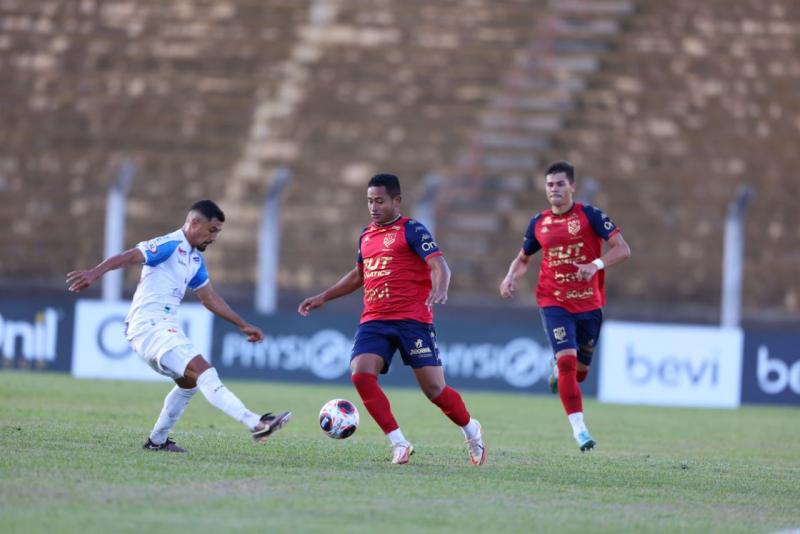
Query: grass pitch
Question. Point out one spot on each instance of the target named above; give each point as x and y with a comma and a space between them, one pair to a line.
71, 462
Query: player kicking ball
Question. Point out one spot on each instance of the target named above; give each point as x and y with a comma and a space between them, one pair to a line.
403, 274
570, 289
172, 263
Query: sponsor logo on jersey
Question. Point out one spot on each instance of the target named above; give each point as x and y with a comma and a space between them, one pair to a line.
388, 240
181, 251
428, 246
152, 246
196, 259
574, 226
377, 293
582, 294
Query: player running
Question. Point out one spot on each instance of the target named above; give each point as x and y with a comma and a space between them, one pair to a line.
172, 263
570, 290
403, 274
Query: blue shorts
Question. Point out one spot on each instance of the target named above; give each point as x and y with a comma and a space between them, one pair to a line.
566, 330
416, 341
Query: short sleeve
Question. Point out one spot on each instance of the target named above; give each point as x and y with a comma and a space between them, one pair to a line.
359, 257
601, 223
201, 277
531, 245
420, 240
157, 250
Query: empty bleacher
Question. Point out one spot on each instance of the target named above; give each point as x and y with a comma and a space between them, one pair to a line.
666, 107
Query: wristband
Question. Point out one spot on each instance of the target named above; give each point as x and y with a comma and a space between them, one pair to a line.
599, 263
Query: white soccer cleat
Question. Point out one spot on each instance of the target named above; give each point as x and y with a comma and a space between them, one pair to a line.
475, 447
585, 441
401, 452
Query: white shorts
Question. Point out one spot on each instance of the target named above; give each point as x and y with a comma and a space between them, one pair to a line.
163, 346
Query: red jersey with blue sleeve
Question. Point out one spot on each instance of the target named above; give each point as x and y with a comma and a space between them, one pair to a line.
397, 279
573, 237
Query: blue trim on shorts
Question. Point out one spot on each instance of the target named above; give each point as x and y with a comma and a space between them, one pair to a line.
415, 340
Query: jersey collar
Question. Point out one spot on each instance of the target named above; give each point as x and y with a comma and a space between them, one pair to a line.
571, 208
186, 240
386, 225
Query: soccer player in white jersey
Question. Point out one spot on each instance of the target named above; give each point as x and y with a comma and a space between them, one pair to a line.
172, 263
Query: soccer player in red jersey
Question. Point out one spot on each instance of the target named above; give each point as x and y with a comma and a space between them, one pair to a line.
403, 274
570, 289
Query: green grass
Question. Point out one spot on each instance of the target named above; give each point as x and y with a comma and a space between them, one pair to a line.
70, 462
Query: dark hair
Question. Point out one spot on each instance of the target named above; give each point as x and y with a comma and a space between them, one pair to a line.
389, 181
562, 166
208, 209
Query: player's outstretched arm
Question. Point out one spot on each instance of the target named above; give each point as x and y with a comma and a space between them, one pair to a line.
518, 267
80, 280
618, 251
348, 283
217, 305
440, 280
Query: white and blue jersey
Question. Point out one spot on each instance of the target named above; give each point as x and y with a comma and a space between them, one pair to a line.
171, 265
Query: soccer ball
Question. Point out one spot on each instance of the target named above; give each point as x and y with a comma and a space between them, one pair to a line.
338, 418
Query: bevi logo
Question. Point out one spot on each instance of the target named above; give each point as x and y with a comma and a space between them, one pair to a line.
670, 370
775, 375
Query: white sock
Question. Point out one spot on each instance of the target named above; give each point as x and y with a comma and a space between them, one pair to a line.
576, 420
221, 397
396, 437
174, 404
470, 429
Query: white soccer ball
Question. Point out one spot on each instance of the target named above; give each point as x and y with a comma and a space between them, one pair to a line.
338, 418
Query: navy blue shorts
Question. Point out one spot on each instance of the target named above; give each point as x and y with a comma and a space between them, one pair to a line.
566, 330
416, 342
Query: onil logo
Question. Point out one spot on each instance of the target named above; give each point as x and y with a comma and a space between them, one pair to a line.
36, 340
774, 375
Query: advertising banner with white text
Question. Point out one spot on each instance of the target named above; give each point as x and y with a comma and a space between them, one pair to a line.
100, 349
479, 349
36, 334
771, 373
671, 365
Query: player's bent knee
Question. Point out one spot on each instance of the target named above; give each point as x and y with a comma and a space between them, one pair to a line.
367, 363
432, 391
196, 367
186, 382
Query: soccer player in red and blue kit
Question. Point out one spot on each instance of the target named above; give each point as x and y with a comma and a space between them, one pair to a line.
403, 274
570, 290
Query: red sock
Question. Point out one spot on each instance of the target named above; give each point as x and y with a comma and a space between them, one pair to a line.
568, 388
452, 405
375, 401
582, 375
